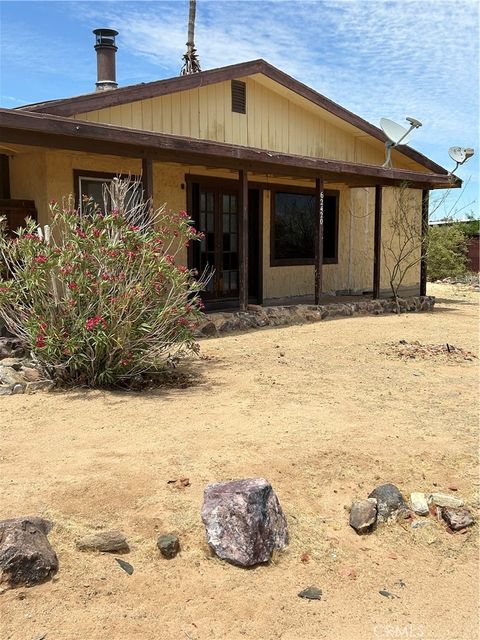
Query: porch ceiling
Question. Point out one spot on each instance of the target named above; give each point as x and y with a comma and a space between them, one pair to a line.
64, 133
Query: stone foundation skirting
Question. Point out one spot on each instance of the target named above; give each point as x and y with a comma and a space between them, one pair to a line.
257, 316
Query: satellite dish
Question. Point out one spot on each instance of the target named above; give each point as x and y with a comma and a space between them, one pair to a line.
397, 134
460, 155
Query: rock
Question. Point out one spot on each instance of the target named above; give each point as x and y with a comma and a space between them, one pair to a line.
10, 376
244, 521
126, 566
39, 385
169, 545
419, 503
26, 556
30, 374
13, 363
311, 593
208, 329
457, 519
108, 541
363, 515
445, 500
17, 388
389, 501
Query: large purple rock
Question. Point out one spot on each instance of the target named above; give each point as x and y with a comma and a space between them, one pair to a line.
26, 557
244, 521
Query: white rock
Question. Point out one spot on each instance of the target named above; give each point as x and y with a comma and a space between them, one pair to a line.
444, 500
419, 503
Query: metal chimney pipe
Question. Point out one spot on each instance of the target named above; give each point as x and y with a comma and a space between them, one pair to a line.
106, 67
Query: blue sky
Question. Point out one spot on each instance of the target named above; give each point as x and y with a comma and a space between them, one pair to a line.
376, 57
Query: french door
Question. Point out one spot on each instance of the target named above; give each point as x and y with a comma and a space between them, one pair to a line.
219, 249
214, 206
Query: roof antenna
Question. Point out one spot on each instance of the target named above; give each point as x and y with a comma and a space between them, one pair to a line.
191, 63
396, 135
460, 155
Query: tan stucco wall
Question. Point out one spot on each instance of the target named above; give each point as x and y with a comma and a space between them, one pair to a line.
28, 180
48, 175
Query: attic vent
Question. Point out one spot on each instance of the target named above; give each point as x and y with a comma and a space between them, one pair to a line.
239, 96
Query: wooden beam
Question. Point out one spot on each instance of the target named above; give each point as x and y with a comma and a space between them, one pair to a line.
147, 178
243, 210
377, 242
423, 261
58, 132
319, 196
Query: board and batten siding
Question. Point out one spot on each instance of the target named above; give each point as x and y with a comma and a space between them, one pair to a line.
274, 120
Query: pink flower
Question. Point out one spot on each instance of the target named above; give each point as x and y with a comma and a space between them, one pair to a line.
91, 323
182, 268
40, 259
73, 286
183, 214
40, 341
80, 233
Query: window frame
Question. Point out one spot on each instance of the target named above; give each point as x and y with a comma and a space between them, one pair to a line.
97, 176
294, 262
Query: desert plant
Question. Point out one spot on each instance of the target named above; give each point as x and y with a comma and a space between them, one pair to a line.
447, 246
99, 297
405, 245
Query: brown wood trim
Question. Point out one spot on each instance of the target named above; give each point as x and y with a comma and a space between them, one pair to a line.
377, 242
4, 176
147, 178
57, 132
319, 202
423, 261
243, 220
261, 213
100, 100
145, 90
298, 262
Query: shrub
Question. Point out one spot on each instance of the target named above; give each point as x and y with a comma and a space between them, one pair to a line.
447, 245
99, 297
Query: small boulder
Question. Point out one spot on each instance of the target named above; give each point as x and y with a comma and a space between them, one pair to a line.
31, 374
107, 541
389, 501
419, 503
311, 593
457, 519
169, 545
363, 515
244, 521
445, 500
26, 556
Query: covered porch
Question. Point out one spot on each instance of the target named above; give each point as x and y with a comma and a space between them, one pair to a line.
233, 194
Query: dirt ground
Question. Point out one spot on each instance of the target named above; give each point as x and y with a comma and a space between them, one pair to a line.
325, 412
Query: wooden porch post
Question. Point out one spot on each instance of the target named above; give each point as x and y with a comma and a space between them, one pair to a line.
147, 177
423, 262
243, 266
318, 238
377, 243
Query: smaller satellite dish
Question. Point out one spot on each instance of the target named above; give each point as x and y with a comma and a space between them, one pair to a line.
397, 134
460, 155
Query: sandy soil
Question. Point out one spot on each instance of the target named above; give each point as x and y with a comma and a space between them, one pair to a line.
322, 412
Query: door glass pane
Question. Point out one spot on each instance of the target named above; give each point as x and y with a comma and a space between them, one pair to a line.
226, 223
226, 203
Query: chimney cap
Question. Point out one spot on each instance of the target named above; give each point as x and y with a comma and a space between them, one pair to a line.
105, 37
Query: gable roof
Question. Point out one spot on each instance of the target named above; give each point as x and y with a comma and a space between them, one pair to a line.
99, 100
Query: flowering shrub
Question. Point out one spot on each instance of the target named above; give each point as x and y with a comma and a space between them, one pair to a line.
100, 297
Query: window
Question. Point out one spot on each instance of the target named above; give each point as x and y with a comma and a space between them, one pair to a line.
293, 227
239, 96
91, 184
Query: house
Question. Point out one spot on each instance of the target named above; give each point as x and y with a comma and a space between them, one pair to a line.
287, 186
